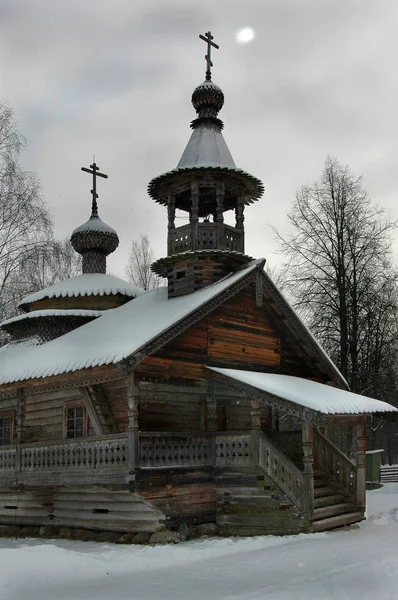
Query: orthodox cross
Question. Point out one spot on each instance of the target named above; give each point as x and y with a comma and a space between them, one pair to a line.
94, 170
207, 37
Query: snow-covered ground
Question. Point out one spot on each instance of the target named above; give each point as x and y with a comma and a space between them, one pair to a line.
356, 563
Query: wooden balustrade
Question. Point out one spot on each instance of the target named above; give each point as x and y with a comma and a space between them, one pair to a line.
7, 459
174, 450
335, 463
281, 470
209, 236
87, 454
233, 450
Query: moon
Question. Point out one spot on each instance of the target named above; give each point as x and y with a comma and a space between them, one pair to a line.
245, 35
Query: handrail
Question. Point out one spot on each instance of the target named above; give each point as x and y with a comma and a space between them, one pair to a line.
282, 470
330, 458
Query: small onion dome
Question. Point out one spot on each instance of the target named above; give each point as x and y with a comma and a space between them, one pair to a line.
207, 99
94, 236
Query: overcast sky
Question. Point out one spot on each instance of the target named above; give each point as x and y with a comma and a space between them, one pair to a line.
114, 78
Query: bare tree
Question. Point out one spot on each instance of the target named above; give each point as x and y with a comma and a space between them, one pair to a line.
25, 225
54, 262
139, 264
338, 267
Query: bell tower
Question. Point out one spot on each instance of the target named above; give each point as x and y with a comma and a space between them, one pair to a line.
205, 184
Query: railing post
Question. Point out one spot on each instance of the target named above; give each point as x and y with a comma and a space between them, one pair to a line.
308, 471
133, 426
255, 431
361, 463
18, 431
211, 406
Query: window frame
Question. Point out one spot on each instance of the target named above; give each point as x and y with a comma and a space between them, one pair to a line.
8, 414
73, 406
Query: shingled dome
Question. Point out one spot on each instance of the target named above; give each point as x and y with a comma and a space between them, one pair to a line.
206, 150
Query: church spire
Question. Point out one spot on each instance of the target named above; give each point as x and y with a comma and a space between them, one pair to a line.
94, 240
205, 184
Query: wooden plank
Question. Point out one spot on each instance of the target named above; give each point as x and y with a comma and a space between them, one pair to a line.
88, 403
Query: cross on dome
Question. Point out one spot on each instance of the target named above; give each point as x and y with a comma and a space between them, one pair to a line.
94, 171
207, 37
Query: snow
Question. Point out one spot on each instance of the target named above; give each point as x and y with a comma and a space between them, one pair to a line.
206, 148
88, 284
355, 563
54, 312
116, 335
375, 451
94, 224
310, 394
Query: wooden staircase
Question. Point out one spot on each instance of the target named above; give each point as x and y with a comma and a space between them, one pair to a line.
332, 506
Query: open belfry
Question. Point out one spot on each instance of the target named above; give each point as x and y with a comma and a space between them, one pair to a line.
202, 406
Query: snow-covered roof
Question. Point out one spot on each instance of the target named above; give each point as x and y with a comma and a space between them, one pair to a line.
119, 333
87, 284
319, 397
53, 312
206, 148
94, 224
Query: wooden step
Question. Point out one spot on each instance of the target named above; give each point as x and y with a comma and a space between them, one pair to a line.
320, 483
324, 491
321, 474
328, 500
338, 521
325, 512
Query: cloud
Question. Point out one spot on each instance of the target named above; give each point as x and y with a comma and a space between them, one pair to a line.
115, 79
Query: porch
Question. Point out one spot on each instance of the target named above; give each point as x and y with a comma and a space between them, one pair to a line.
119, 460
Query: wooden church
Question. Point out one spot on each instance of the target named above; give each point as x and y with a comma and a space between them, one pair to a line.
204, 401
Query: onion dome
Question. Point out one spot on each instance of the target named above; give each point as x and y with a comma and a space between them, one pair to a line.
207, 99
94, 240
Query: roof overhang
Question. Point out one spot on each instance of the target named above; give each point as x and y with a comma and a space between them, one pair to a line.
306, 399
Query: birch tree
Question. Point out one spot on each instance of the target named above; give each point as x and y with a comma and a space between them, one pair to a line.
139, 263
25, 225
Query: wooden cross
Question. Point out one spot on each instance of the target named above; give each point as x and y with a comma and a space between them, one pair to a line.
207, 37
94, 171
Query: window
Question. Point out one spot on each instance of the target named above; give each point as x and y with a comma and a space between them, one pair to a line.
75, 422
6, 427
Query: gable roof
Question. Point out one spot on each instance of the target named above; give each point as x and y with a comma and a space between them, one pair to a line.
318, 397
126, 335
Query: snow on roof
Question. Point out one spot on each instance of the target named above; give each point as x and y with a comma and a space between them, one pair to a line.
206, 148
87, 284
310, 394
53, 312
119, 333
94, 224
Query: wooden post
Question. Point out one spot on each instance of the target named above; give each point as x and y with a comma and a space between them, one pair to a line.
19, 429
194, 216
308, 459
211, 405
133, 426
361, 463
255, 431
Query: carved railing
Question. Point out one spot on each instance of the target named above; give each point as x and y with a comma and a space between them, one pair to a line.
335, 463
174, 450
233, 450
233, 239
179, 239
7, 459
281, 470
209, 236
69, 455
